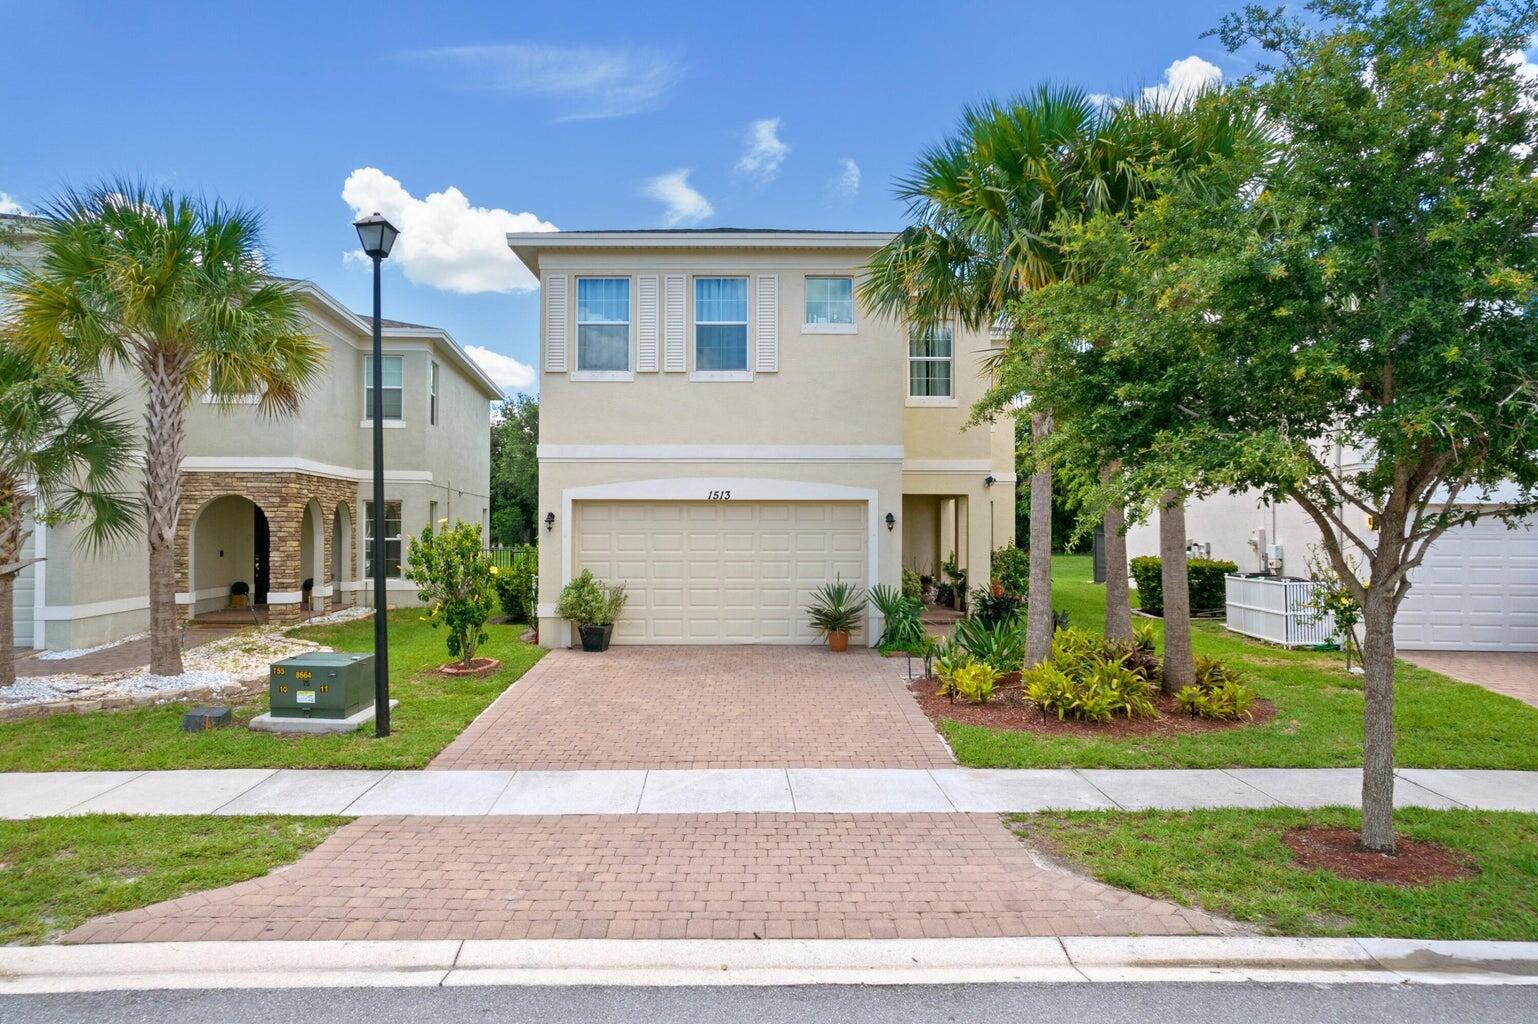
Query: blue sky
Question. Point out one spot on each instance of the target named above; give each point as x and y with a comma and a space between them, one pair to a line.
462, 120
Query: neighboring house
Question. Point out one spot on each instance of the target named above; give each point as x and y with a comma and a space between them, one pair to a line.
724, 428
283, 504
1477, 590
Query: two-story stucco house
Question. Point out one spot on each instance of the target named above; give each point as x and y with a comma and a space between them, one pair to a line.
724, 428
278, 503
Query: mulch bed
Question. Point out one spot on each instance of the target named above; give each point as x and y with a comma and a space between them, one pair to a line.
478, 667
1334, 849
1008, 711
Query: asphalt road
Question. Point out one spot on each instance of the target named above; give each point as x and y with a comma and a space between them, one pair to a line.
966, 1004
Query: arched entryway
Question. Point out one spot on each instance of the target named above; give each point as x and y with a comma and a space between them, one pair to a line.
312, 557
230, 544
341, 550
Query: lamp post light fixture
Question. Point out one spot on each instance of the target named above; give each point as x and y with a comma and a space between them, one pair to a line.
377, 236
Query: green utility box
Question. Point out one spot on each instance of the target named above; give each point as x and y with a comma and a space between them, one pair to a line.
321, 685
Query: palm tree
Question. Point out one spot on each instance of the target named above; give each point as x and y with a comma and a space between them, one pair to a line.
987, 206
173, 288
62, 451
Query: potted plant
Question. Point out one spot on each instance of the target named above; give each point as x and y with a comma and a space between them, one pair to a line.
593, 605
835, 610
238, 594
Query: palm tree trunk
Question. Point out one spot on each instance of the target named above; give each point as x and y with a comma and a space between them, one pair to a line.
164, 430
7, 631
1118, 599
1179, 663
1038, 610
1378, 723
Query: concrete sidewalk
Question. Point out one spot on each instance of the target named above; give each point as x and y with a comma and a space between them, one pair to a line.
752, 790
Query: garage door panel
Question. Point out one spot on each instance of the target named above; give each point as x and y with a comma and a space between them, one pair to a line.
1476, 590
735, 572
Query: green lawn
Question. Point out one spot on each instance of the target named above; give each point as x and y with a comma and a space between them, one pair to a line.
1233, 863
1440, 723
55, 873
432, 711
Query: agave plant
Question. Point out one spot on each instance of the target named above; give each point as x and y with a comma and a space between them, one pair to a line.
1000, 644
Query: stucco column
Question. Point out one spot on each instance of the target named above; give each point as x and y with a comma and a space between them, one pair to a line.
947, 533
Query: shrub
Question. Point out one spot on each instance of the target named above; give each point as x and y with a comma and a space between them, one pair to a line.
1091, 679
240, 588
995, 605
1145, 636
973, 682
904, 630
1012, 568
515, 584
589, 602
1135, 658
1218, 693
913, 585
836, 607
1000, 644
455, 580
945, 595
1204, 579
945, 658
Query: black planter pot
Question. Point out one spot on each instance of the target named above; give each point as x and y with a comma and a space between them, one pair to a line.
596, 638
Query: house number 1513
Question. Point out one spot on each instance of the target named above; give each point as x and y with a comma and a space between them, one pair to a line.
718, 496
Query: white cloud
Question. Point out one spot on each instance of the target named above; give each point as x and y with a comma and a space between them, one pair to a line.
444, 241
683, 204
584, 82
509, 373
9, 205
765, 152
846, 183
1183, 80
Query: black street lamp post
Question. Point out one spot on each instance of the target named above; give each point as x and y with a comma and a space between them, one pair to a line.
377, 236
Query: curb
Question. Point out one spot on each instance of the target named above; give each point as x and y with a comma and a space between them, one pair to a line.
431, 963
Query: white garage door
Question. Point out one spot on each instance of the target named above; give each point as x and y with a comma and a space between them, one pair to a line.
720, 572
1477, 590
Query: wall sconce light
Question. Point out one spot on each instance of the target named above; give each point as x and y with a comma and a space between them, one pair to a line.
989, 480
891, 521
549, 521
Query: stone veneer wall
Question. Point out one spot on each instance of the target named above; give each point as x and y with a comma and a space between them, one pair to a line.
282, 496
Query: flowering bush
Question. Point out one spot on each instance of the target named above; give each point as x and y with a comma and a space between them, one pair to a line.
457, 582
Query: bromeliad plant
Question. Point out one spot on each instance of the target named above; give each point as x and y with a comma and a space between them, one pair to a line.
457, 582
835, 612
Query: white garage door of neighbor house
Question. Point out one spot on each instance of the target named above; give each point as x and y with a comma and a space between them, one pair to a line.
22, 593
1477, 590
720, 572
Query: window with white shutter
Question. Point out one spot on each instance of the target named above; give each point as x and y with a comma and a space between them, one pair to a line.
555, 323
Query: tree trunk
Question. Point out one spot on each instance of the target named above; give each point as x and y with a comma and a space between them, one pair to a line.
1038, 609
1179, 664
1118, 601
7, 630
164, 431
1378, 724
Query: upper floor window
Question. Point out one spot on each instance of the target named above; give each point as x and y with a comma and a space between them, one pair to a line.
829, 305
394, 376
721, 324
432, 395
931, 360
392, 539
603, 325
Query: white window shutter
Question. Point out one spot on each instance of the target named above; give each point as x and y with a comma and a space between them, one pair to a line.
768, 324
646, 324
673, 324
555, 323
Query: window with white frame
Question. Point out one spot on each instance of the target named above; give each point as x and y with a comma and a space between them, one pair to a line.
829, 302
394, 377
721, 324
392, 539
931, 361
432, 395
603, 325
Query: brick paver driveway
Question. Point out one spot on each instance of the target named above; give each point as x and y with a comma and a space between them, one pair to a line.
703, 707
1514, 673
674, 876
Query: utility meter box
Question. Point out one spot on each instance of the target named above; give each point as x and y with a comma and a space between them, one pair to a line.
321, 685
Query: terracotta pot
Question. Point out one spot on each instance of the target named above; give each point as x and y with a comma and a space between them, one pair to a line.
838, 642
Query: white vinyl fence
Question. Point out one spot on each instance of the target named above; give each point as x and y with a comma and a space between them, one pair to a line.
1278, 610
